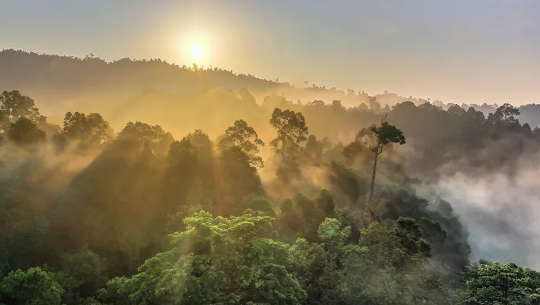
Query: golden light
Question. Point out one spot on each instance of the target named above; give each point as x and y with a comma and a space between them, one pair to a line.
197, 52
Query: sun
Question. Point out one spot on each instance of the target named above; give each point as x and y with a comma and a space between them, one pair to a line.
197, 52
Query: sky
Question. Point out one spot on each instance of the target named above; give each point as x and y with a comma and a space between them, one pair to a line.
456, 51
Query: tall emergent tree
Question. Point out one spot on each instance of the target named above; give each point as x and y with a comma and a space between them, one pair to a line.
245, 138
385, 134
291, 131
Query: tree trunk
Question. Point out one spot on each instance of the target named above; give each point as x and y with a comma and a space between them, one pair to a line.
372, 187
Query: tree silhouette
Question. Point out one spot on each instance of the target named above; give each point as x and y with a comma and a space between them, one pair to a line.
24, 132
90, 130
291, 131
385, 134
14, 105
505, 114
244, 137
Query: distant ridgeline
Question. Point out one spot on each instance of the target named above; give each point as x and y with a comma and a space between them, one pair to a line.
51, 77
119, 89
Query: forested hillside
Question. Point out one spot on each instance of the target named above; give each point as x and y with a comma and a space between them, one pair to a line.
276, 208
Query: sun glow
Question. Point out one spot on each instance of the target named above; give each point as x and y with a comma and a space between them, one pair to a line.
197, 52
195, 47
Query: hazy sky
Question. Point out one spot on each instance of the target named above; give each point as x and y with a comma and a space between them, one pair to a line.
458, 51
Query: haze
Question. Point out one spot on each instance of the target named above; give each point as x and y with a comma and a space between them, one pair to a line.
280, 153
456, 51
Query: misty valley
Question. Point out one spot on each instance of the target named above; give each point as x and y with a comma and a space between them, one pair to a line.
144, 182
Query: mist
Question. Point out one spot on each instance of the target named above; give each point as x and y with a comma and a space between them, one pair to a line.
499, 210
135, 169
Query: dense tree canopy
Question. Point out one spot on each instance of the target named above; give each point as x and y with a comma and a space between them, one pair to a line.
141, 217
89, 130
501, 284
215, 260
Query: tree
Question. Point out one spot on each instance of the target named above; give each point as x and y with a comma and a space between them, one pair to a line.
321, 267
393, 266
244, 137
145, 137
90, 130
291, 131
385, 134
216, 260
81, 274
239, 179
301, 216
14, 105
34, 286
505, 113
24, 132
314, 148
502, 284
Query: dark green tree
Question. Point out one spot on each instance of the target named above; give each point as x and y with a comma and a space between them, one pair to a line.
504, 284
385, 134
322, 266
81, 274
244, 137
34, 286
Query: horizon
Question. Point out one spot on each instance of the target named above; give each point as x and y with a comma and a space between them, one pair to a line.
277, 81
482, 52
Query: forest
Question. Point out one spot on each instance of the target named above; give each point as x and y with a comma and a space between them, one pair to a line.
142, 182
294, 215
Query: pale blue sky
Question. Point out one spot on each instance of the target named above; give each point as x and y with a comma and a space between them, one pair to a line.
459, 51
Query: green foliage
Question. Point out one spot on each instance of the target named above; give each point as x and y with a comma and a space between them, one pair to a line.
257, 203
500, 284
216, 260
395, 245
379, 269
301, 216
102, 223
34, 286
387, 133
394, 270
81, 274
324, 268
